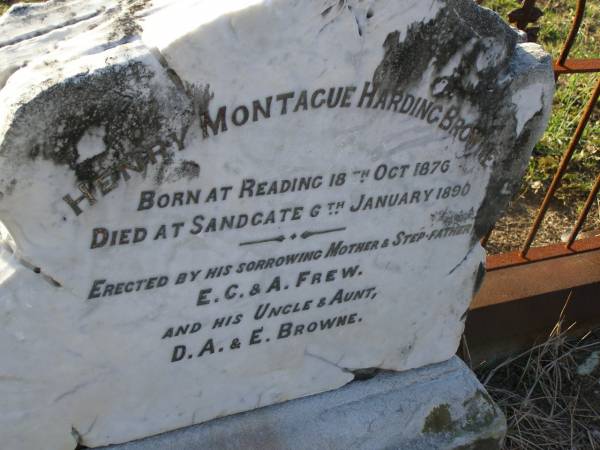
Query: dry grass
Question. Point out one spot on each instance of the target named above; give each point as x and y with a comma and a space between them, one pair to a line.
549, 401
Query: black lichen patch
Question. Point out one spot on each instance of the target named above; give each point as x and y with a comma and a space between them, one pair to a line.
200, 95
459, 27
475, 36
137, 113
125, 26
187, 169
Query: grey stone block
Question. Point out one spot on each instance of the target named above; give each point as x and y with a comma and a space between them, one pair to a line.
441, 406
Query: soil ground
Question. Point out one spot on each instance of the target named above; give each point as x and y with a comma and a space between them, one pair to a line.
512, 229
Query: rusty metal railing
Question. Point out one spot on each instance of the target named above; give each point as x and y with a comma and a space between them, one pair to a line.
522, 17
526, 291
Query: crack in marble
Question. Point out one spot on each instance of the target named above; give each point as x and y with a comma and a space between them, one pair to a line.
320, 358
461, 261
33, 267
72, 391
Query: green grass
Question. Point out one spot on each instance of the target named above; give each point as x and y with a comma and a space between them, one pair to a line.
572, 93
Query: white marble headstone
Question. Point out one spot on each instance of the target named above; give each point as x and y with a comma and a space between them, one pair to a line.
212, 206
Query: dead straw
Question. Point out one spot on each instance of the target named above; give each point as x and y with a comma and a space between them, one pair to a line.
550, 393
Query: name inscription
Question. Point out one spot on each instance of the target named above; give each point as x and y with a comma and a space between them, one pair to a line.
323, 285
433, 113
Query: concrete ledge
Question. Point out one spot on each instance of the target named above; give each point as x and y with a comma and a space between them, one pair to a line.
441, 406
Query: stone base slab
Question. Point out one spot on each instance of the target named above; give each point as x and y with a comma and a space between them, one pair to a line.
441, 406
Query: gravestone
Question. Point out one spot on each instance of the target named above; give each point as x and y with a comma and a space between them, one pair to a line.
211, 207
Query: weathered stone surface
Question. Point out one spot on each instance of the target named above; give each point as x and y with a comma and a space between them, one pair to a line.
216, 206
440, 407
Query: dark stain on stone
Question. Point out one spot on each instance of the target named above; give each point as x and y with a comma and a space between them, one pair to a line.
461, 28
187, 169
200, 97
125, 25
10, 187
481, 412
439, 420
136, 112
20, 10
504, 180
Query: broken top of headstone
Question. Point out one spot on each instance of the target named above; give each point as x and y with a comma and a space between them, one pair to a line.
215, 206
